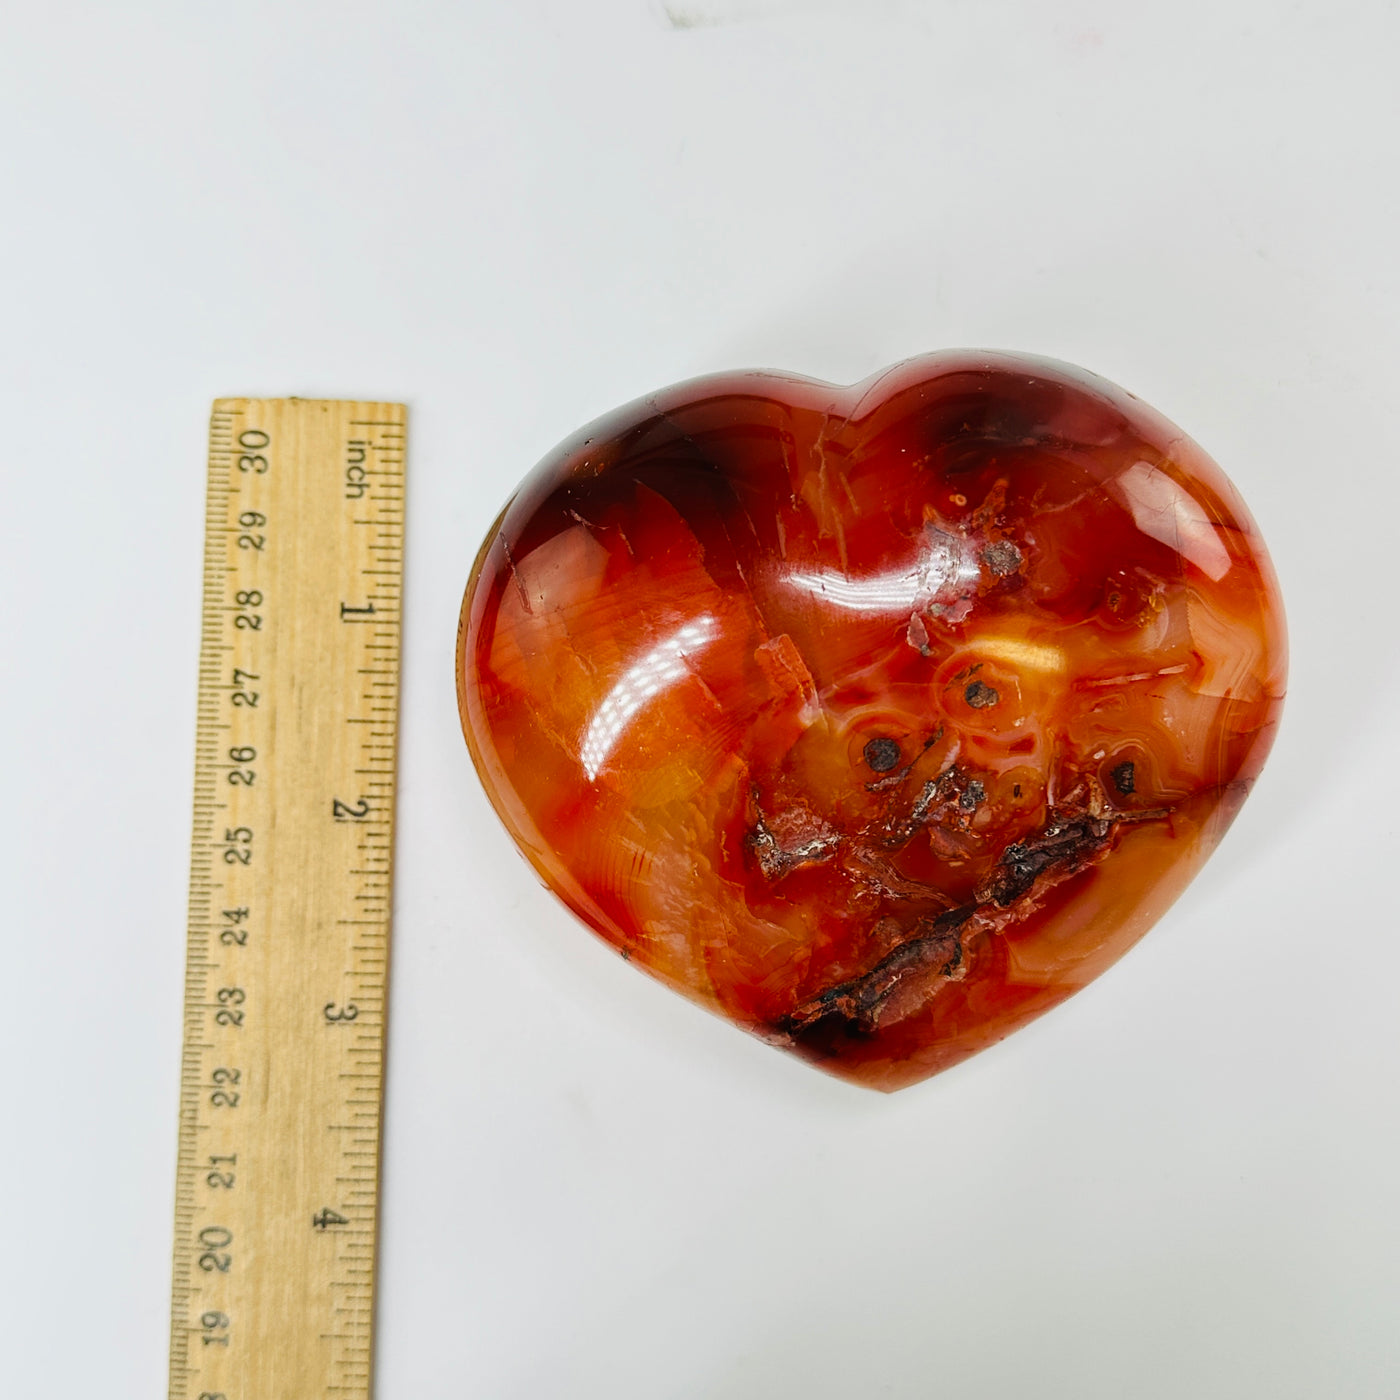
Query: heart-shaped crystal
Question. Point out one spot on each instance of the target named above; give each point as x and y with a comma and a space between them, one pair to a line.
877, 719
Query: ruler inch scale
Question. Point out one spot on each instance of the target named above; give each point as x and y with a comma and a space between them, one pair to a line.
287, 941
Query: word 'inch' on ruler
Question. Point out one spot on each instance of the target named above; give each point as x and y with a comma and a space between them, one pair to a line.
282, 1081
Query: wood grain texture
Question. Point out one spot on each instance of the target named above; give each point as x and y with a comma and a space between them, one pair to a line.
290, 897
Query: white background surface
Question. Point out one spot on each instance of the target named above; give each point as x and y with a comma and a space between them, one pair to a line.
1183, 1183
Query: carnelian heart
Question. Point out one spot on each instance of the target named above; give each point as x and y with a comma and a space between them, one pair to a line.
877, 719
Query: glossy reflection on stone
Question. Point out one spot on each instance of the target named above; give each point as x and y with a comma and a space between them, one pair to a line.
877, 719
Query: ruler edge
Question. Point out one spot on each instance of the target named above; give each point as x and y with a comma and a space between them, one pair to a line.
190, 1049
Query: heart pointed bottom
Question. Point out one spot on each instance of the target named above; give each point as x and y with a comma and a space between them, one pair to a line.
879, 719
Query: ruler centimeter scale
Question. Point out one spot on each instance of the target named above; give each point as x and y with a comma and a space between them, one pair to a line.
290, 885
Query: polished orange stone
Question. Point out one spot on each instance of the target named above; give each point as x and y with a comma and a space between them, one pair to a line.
877, 719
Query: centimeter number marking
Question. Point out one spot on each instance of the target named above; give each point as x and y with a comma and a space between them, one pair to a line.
290, 878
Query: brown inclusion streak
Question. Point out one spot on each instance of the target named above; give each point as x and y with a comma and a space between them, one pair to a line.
949, 784
776, 860
937, 943
1073, 837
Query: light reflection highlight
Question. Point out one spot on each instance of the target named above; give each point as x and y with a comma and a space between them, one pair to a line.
661, 667
1169, 514
942, 568
1021, 655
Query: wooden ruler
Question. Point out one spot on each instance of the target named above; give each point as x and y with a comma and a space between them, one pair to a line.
288, 938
